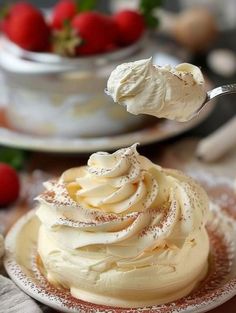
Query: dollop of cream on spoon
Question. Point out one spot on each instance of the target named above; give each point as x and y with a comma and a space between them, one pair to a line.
175, 93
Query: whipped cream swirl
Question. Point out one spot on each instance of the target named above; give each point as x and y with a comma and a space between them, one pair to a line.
174, 93
119, 230
116, 183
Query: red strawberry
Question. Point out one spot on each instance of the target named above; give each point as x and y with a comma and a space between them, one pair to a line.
97, 31
63, 11
111, 33
9, 184
20, 6
7, 11
131, 26
25, 26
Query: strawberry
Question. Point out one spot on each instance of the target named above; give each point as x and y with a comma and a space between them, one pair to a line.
63, 11
20, 6
111, 33
25, 26
97, 31
130, 25
7, 10
9, 184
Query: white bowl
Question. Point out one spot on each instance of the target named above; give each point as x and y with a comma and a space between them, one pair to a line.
51, 95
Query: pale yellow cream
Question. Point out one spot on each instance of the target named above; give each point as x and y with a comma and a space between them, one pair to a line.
175, 93
122, 231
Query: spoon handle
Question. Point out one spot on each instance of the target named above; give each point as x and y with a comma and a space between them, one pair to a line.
222, 90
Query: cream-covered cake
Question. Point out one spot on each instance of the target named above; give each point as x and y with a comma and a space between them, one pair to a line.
122, 231
175, 93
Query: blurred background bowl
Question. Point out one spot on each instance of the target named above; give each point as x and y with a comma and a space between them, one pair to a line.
52, 95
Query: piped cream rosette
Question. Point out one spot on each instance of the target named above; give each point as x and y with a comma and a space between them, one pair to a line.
122, 231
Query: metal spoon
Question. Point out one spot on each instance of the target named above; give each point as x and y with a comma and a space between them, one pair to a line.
217, 92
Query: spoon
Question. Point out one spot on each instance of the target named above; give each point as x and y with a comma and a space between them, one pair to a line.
211, 94
217, 92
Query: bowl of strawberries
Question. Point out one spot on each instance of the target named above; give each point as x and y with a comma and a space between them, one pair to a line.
56, 64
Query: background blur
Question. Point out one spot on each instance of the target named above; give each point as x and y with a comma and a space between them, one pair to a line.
224, 13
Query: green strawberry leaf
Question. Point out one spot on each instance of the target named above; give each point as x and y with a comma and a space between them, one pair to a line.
4, 11
13, 157
151, 20
147, 8
65, 40
86, 5
149, 5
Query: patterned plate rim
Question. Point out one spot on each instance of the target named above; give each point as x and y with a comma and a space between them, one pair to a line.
17, 274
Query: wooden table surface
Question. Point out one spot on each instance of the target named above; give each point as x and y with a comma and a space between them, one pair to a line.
46, 163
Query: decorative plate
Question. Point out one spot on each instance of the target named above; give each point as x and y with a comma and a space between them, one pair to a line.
23, 266
162, 130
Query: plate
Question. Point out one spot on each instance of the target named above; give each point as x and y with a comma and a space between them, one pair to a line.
22, 264
162, 130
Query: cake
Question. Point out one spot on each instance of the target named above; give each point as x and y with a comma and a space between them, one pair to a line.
123, 231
